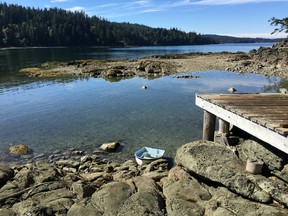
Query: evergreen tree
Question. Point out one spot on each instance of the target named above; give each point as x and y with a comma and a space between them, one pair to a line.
283, 23
22, 26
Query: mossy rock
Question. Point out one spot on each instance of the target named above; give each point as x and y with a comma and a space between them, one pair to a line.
39, 72
30, 70
20, 149
52, 64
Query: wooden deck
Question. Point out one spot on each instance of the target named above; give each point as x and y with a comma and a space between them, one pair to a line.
264, 116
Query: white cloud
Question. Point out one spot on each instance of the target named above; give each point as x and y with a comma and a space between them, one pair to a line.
259, 35
111, 10
228, 2
150, 10
181, 3
76, 8
141, 2
55, 1
107, 5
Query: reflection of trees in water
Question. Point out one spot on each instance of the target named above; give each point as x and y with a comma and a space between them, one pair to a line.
276, 86
26, 83
118, 79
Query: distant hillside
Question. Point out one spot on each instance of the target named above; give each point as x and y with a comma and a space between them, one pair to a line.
22, 26
229, 39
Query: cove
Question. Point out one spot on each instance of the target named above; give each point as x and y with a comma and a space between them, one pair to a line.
80, 113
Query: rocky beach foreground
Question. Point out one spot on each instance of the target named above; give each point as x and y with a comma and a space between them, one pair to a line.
207, 178
267, 61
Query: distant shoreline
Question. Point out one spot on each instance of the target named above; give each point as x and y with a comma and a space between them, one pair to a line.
265, 61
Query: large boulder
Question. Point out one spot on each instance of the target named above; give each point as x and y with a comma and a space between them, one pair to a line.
216, 163
55, 201
146, 201
111, 197
187, 196
84, 208
184, 194
224, 202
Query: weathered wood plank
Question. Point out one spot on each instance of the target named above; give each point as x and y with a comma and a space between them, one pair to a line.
266, 103
277, 127
267, 115
241, 110
243, 96
283, 131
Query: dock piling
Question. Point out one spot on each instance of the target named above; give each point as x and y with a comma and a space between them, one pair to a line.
209, 121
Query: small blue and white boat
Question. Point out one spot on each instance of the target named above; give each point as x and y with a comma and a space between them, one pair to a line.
146, 155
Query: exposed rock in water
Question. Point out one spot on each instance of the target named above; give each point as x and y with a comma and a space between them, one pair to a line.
20, 149
232, 90
111, 147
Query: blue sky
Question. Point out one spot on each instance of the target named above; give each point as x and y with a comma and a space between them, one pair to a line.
225, 17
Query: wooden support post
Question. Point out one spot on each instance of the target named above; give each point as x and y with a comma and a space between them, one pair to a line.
209, 121
223, 126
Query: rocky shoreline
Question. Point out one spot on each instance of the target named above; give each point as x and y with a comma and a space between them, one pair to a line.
207, 178
267, 61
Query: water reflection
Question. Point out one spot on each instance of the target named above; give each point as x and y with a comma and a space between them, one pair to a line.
84, 113
60, 113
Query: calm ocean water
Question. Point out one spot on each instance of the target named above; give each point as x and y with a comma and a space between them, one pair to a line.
59, 114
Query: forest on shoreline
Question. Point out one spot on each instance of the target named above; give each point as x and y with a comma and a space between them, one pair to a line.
27, 27
21, 26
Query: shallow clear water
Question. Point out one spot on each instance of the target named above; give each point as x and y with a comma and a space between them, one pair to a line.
59, 114
86, 113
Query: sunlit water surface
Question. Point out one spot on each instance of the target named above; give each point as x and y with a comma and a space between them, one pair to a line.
59, 114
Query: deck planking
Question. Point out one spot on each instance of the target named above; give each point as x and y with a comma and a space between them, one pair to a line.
262, 115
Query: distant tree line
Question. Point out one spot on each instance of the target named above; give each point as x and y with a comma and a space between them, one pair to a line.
21, 26
229, 39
